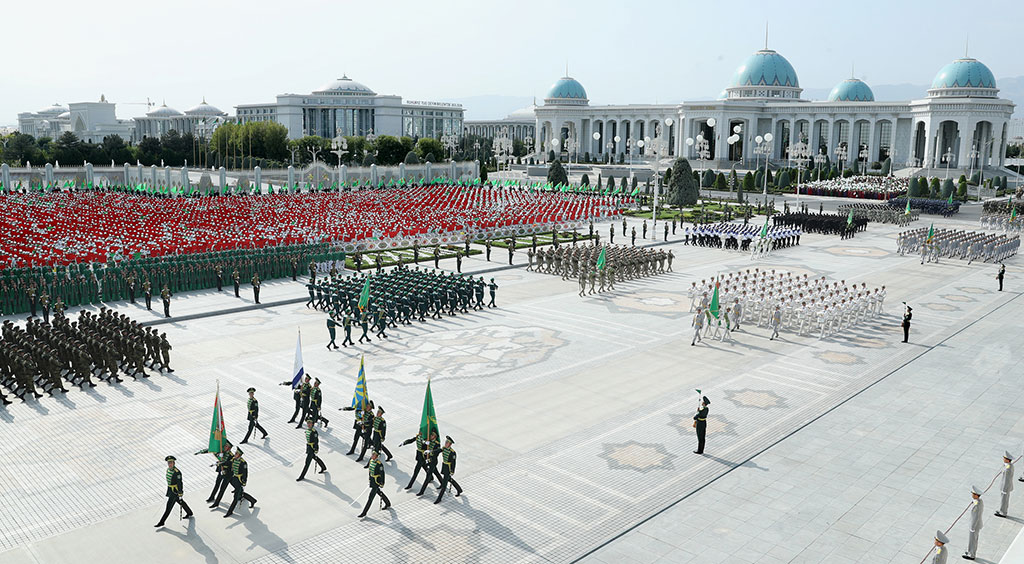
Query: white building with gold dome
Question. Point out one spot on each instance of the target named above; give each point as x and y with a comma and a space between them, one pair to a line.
960, 120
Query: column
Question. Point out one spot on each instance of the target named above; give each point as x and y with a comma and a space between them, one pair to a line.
872, 142
997, 144
722, 133
966, 139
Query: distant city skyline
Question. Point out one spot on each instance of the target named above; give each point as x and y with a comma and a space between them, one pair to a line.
644, 52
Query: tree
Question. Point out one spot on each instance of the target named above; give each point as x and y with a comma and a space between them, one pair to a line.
411, 158
746, 186
633, 184
116, 150
934, 191
708, 180
585, 181
668, 176
368, 160
975, 178
611, 183
551, 156
518, 148
430, 158
483, 174
784, 179
427, 146
556, 174
961, 192
683, 189
720, 183
733, 181
390, 150
947, 188
622, 184
887, 166
69, 149
913, 189
149, 151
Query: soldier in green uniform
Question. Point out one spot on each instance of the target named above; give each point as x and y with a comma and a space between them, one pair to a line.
487, 244
379, 432
131, 287
447, 470
256, 287
223, 466
364, 324
44, 301
239, 478
32, 299
312, 448
235, 276
147, 290
493, 288
332, 329
253, 416
700, 423
165, 295
346, 324
365, 430
376, 483
304, 391
220, 277
315, 402
175, 491
165, 352
426, 450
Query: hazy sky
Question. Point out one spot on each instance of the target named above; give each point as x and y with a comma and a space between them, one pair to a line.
631, 51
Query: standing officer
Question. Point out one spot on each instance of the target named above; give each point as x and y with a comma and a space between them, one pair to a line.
437, 255
376, 483
379, 432
976, 510
426, 450
165, 295
940, 552
147, 290
220, 277
906, 322
1007, 486
999, 277
633, 237
175, 489
493, 288
239, 477
256, 287
332, 328
700, 422
312, 448
254, 414
234, 279
447, 470
487, 245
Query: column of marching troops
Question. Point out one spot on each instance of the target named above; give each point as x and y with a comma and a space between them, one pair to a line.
398, 296
957, 243
102, 345
824, 223
976, 510
581, 262
778, 301
30, 290
370, 432
879, 213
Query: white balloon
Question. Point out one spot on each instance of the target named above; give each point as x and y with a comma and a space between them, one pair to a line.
689, 141
759, 139
767, 136
596, 136
711, 122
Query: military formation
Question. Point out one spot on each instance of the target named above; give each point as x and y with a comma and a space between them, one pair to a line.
29, 290
945, 208
1002, 221
396, 297
621, 263
879, 213
780, 301
933, 244
824, 223
735, 236
104, 345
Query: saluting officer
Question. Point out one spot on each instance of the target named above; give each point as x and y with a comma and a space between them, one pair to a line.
425, 451
312, 448
254, 414
376, 483
175, 489
700, 422
447, 470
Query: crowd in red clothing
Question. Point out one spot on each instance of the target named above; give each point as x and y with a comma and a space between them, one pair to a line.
79, 227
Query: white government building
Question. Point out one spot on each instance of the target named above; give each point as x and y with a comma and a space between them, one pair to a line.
960, 119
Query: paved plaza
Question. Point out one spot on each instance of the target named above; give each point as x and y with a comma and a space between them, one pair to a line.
572, 419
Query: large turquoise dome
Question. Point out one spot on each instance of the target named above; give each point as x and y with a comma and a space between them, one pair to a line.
567, 88
851, 90
765, 68
964, 73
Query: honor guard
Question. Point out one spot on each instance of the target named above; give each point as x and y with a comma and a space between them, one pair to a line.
1006, 486
940, 548
223, 466
426, 451
977, 508
376, 483
379, 433
256, 287
304, 392
239, 478
447, 470
175, 491
312, 448
147, 290
357, 425
235, 276
253, 416
315, 402
332, 329
700, 423
346, 325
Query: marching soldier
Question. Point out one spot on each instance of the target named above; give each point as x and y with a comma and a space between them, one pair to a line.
493, 288
426, 450
977, 509
175, 491
147, 290
312, 448
364, 324
239, 478
223, 466
447, 470
256, 287
315, 400
304, 391
297, 396
332, 329
165, 352
346, 324
253, 416
357, 425
165, 295
234, 278
1006, 487
378, 433
376, 483
700, 423
940, 548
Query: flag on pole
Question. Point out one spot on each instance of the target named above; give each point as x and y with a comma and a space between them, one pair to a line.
764, 234
428, 421
1013, 213
601, 259
360, 399
849, 218
217, 434
297, 369
364, 296
907, 211
931, 232
950, 200
714, 307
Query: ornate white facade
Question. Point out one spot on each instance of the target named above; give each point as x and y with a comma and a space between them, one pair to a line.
521, 125
89, 121
199, 120
961, 120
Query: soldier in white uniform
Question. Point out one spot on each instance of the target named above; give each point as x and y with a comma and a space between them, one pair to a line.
975, 524
698, 324
941, 541
1006, 487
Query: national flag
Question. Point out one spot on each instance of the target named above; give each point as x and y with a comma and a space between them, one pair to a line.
764, 230
297, 369
360, 399
635, 191
849, 219
1013, 213
364, 296
428, 421
601, 259
714, 307
950, 200
907, 211
931, 232
217, 433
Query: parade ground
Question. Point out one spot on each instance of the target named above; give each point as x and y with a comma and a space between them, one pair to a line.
572, 418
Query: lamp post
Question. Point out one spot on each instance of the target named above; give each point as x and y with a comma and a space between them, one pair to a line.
597, 137
502, 146
476, 147
841, 153
948, 155
764, 147
339, 146
616, 146
629, 157
800, 153
819, 160
864, 154
658, 146
571, 146
450, 141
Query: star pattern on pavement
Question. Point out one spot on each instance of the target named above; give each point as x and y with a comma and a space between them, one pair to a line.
842, 358
957, 298
717, 424
940, 306
758, 399
639, 457
455, 545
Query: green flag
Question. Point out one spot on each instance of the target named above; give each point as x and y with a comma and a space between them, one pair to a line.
931, 232
1013, 213
428, 421
635, 191
764, 233
907, 211
601, 259
364, 296
950, 200
713, 307
217, 434
849, 218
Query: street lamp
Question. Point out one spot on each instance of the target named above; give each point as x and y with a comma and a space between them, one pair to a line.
339, 146
801, 154
864, 154
571, 146
597, 137
948, 155
764, 147
616, 146
450, 141
841, 153
819, 160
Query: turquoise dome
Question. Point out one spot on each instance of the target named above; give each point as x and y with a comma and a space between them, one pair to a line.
964, 73
567, 88
851, 90
765, 68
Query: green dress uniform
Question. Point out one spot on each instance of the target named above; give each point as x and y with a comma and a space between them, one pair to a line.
312, 448
175, 491
448, 458
239, 478
332, 329
376, 483
426, 452
304, 401
253, 417
700, 422
165, 295
346, 324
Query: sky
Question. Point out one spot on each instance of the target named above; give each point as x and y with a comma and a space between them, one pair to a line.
637, 51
